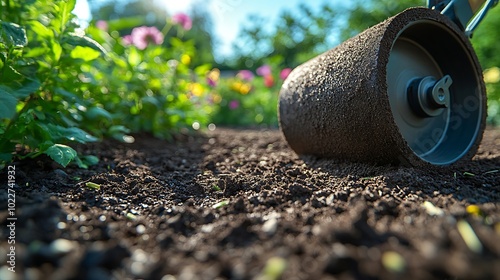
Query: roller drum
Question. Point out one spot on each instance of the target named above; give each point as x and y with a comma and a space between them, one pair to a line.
409, 90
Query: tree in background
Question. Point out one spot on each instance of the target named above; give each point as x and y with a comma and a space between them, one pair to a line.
366, 13
300, 36
202, 35
138, 12
296, 38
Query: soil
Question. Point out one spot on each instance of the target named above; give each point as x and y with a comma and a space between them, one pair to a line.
239, 204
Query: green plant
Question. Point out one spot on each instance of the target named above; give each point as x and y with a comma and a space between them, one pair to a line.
147, 88
247, 99
60, 85
492, 80
42, 105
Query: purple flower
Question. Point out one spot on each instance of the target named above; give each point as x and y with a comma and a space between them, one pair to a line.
264, 70
183, 20
234, 104
142, 36
211, 82
102, 24
284, 73
245, 75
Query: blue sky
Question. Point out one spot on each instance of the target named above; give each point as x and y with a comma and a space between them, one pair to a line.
228, 15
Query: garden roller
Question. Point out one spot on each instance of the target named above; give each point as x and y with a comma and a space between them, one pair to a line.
407, 90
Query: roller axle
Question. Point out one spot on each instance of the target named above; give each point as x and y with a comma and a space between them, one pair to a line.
428, 97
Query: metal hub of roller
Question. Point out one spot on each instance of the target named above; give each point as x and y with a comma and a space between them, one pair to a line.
434, 94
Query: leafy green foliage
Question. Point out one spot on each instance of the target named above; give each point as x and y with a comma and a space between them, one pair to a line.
241, 102
486, 38
133, 12
151, 90
492, 80
60, 86
61, 154
485, 42
42, 104
12, 35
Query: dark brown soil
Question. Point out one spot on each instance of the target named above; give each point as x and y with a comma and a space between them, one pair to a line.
239, 204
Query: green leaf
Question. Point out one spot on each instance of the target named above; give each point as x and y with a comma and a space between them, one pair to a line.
65, 10
118, 132
7, 105
134, 58
131, 216
95, 113
27, 89
12, 35
118, 129
274, 269
61, 154
90, 160
41, 30
203, 69
56, 50
40, 132
92, 185
151, 100
86, 161
5, 157
84, 41
84, 53
69, 96
38, 51
220, 204
71, 133
119, 61
10, 75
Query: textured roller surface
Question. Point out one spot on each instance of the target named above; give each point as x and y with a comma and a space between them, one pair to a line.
337, 105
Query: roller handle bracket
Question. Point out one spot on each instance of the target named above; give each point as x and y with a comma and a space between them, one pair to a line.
467, 14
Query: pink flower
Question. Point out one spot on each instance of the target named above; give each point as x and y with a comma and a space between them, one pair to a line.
284, 73
245, 75
102, 24
234, 104
268, 81
264, 70
142, 36
183, 20
127, 40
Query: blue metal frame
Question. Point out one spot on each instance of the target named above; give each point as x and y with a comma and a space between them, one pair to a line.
460, 12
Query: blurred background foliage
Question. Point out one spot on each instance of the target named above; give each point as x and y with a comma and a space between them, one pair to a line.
123, 16
294, 37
